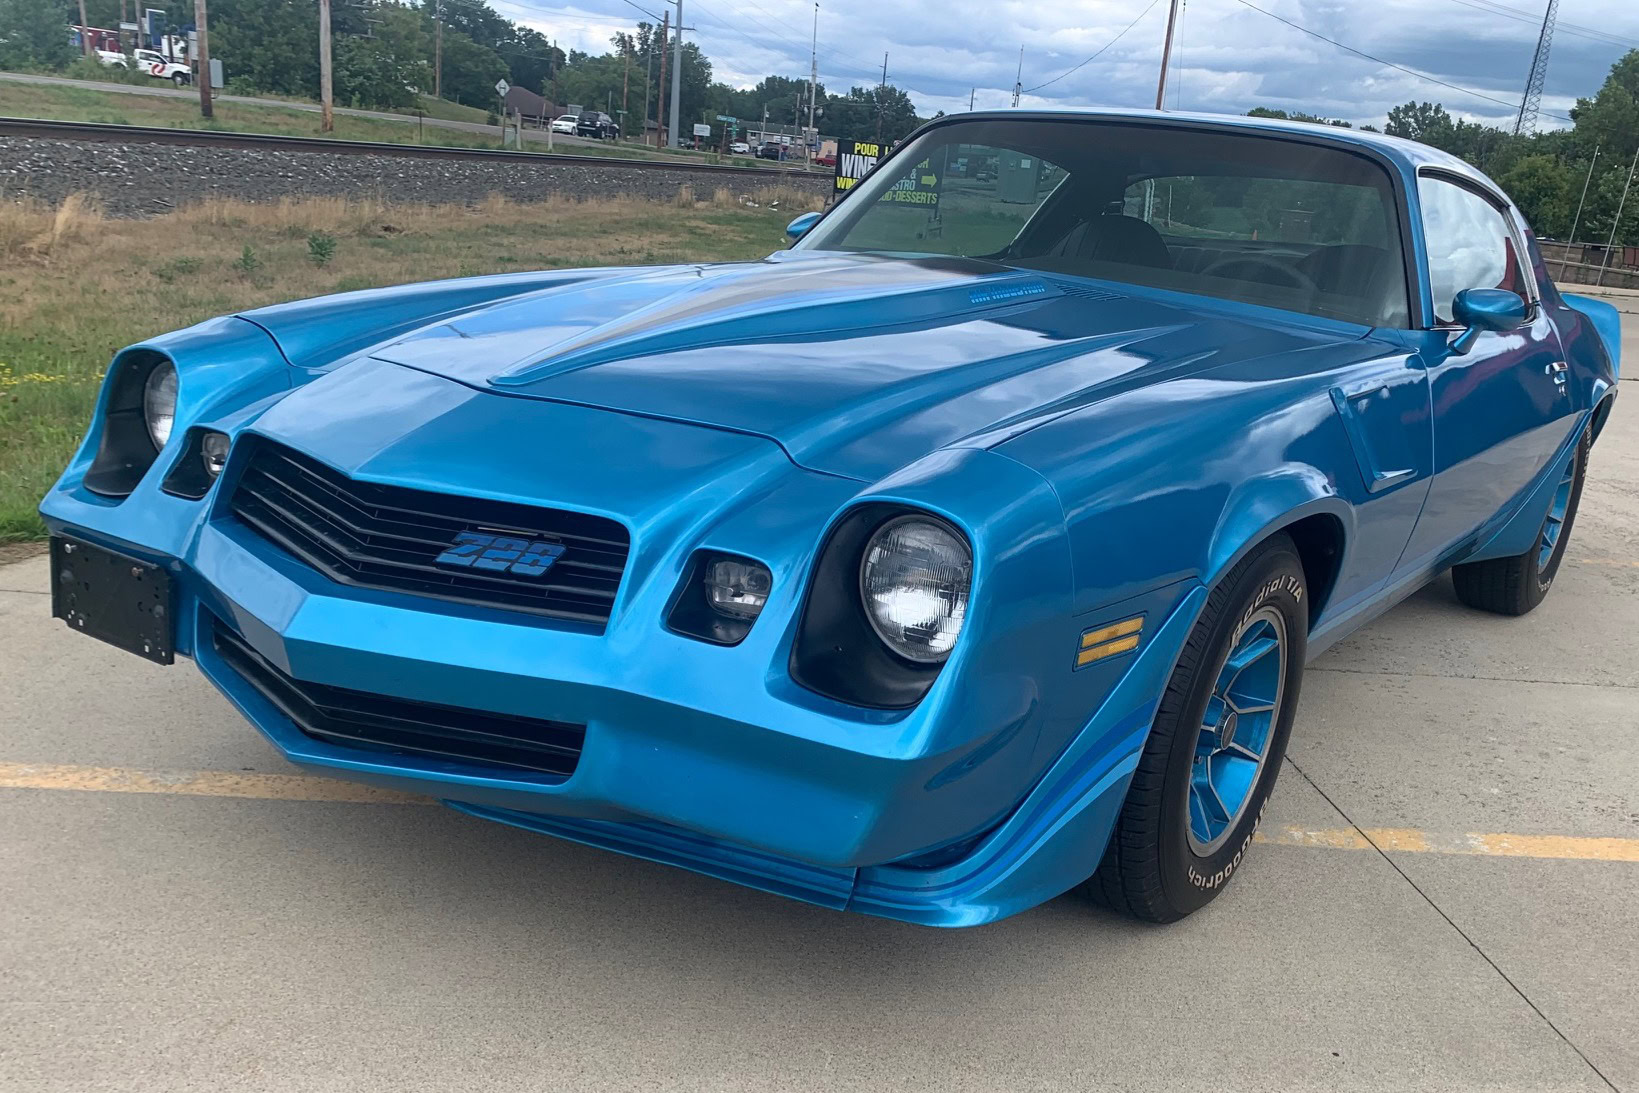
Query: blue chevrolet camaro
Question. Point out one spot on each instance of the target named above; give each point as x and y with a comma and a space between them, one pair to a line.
969, 551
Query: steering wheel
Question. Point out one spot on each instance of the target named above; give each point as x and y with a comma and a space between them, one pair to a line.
1285, 275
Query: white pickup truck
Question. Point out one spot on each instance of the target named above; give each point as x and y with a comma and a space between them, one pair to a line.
160, 68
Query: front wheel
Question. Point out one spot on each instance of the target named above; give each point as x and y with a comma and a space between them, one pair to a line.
180, 80
1215, 748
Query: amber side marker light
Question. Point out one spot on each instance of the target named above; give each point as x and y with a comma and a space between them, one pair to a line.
1108, 641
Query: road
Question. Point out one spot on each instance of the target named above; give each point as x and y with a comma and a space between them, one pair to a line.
1444, 898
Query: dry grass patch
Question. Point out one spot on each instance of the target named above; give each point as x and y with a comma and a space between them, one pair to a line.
74, 288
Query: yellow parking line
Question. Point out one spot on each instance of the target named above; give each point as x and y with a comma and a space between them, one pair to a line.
1485, 844
197, 783
299, 787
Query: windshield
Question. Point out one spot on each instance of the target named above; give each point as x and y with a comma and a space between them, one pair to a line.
1241, 216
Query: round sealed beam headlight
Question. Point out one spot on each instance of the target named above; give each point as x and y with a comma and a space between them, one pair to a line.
159, 402
914, 579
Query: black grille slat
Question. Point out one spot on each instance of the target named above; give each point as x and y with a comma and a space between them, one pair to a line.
359, 557
349, 718
377, 536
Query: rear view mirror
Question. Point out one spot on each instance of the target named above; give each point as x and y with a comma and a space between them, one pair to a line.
1485, 309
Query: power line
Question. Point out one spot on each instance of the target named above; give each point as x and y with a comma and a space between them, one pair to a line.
1389, 64
1591, 33
1095, 56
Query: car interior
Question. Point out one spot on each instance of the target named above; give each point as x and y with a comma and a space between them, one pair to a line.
1263, 219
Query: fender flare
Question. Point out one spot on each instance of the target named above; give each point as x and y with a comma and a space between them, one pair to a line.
1269, 504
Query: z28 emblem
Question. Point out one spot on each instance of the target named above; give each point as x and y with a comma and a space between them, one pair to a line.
501, 553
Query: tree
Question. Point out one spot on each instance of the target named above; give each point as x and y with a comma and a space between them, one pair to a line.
1541, 186
34, 34
1424, 121
1282, 115
1610, 119
854, 116
470, 71
243, 33
385, 69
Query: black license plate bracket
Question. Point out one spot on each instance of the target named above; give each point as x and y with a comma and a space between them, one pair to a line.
127, 602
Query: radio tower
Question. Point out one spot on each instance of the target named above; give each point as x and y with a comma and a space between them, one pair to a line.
1532, 102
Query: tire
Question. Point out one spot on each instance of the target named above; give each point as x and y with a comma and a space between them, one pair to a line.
180, 80
1513, 586
1167, 857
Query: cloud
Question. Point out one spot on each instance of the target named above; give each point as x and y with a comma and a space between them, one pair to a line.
1227, 57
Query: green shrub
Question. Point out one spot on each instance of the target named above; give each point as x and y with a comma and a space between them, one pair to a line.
321, 247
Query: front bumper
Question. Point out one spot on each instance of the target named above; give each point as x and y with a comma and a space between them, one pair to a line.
973, 806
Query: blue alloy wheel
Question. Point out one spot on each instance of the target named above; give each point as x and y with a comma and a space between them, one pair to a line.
1236, 730
1555, 524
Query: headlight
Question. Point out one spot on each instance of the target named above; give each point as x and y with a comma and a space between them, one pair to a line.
159, 402
737, 587
914, 580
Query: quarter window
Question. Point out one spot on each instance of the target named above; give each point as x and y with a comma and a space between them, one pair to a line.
1469, 245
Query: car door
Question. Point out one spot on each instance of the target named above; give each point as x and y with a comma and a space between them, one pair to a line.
1501, 410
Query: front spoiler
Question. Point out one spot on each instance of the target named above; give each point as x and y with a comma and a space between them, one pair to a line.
1050, 844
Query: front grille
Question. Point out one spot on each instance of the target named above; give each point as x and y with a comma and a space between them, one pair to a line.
383, 723
375, 536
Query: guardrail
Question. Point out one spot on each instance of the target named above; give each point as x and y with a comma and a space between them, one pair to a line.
210, 138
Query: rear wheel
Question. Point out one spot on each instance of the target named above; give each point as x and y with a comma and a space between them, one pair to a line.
1215, 749
1513, 586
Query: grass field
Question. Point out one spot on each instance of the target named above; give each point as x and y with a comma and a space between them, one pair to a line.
75, 287
52, 102
55, 103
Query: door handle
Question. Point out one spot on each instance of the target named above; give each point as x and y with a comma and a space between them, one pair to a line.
1557, 369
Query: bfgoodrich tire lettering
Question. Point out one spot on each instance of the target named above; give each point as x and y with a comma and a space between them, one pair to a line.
1165, 860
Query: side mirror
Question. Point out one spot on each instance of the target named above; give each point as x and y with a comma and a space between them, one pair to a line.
1485, 309
799, 227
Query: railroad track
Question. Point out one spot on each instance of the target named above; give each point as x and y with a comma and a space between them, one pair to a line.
203, 138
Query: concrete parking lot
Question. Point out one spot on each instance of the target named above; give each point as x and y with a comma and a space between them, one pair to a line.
1444, 898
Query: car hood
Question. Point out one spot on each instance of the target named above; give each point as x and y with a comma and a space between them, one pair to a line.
856, 365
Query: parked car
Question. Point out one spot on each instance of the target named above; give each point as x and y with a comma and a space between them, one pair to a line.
771, 149
113, 58
595, 123
162, 68
565, 123
740, 148
923, 573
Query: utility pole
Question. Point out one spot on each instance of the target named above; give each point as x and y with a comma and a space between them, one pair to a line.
625, 78
881, 92
970, 97
85, 32
1166, 56
813, 82
648, 81
204, 58
665, 40
677, 78
1018, 81
438, 51
328, 124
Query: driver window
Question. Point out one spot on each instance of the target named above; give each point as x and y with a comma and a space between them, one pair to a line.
1468, 244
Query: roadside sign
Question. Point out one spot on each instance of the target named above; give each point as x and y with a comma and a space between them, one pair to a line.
726, 118
855, 158
701, 130
502, 87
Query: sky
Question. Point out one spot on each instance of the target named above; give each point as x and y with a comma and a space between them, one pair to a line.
1227, 57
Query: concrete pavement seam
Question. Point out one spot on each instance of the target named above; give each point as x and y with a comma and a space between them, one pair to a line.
1453, 924
1483, 679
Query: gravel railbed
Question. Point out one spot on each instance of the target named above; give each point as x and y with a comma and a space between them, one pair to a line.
138, 179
